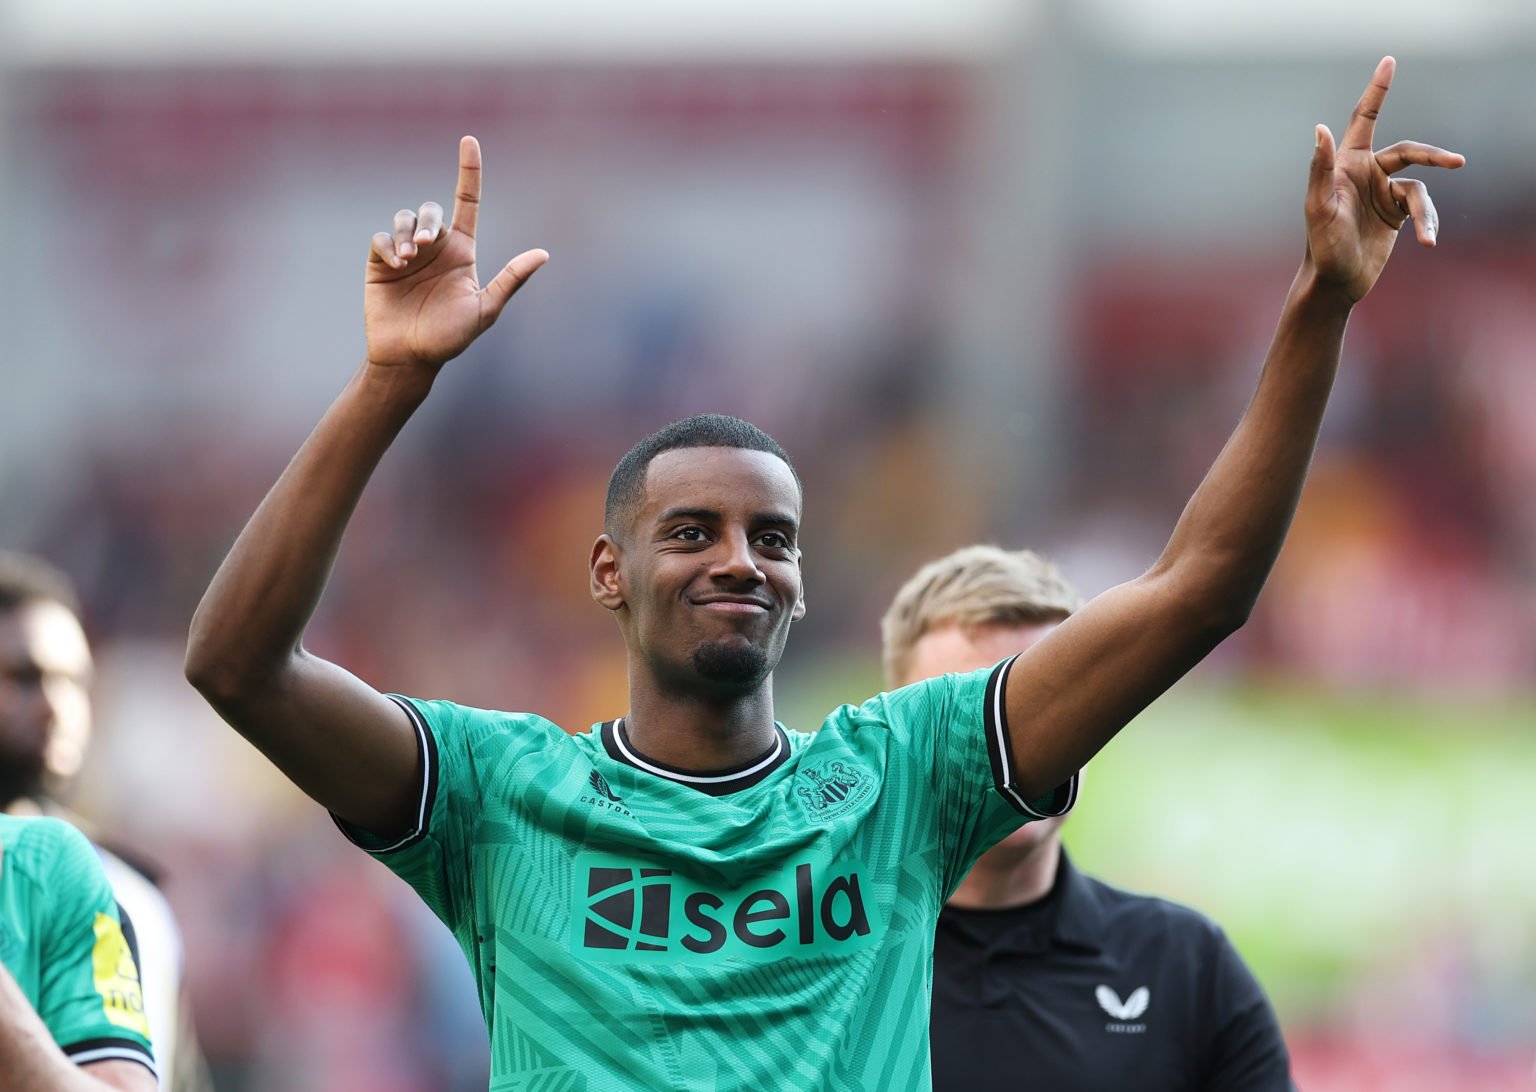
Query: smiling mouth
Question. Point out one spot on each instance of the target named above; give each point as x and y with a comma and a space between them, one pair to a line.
733, 606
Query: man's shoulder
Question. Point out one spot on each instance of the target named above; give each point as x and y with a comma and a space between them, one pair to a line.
1124, 909
477, 726
915, 701
42, 847
1125, 905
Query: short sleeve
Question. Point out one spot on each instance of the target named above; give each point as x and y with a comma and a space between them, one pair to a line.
1247, 1048
434, 855
89, 995
956, 727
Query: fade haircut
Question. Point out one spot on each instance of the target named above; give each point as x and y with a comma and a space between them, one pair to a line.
626, 488
26, 579
973, 587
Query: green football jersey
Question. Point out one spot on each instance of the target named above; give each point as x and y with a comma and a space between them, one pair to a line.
634, 926
62, 939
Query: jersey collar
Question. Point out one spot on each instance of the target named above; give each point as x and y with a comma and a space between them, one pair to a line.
713, 783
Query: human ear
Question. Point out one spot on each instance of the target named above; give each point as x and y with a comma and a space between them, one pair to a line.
603, 573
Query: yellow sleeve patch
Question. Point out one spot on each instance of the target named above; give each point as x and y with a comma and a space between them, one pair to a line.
117, 979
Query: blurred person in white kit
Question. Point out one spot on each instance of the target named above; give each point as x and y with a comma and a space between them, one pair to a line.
45, 727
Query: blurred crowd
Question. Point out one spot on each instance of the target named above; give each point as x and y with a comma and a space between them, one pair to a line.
1410, 564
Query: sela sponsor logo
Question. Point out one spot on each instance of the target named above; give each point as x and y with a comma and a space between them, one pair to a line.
603, 796
1124, 1013
828, 789
628, 912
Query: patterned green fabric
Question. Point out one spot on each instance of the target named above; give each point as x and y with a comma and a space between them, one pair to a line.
630, 931
62, 939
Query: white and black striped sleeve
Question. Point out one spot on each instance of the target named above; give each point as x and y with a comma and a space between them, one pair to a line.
1000, 752
88, 1051
426, 794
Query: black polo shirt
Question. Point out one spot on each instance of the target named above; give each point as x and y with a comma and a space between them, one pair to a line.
1095, 988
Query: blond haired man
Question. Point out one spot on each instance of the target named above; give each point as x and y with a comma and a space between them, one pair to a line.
1039, 969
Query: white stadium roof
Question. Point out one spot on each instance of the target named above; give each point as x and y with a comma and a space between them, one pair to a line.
42, 33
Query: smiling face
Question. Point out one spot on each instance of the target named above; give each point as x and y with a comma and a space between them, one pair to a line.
705, 574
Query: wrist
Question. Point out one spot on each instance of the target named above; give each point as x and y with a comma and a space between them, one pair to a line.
396, 384
1319, 296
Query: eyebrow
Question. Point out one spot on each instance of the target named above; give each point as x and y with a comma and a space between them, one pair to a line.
688, 513
712, 515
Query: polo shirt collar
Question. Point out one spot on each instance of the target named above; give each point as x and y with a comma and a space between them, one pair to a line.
1070, 915
1079, 917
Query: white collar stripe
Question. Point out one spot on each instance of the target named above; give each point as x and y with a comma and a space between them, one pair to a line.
696, 779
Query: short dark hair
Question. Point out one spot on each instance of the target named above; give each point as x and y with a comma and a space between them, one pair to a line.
26, 579
626, 487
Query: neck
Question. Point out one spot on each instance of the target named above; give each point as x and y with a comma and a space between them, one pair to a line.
1002, 880
701, 732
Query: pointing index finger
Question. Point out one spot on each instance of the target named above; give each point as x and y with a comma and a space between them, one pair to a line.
466, 200
1362, 123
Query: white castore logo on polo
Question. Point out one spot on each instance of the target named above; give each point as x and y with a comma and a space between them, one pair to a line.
1132, 1007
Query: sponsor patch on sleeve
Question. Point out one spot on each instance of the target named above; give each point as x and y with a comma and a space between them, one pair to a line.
117, 978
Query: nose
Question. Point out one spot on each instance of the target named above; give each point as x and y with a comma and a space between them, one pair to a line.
734, 560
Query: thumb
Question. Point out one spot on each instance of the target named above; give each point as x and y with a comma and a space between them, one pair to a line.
505, 284
1320, 178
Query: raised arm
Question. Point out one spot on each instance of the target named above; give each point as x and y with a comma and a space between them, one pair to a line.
1070, 693
338, 739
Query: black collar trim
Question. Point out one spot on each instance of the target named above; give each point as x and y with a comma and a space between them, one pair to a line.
717, 783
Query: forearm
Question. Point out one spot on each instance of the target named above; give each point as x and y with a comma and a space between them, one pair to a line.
252, 617
1232, 529
29, 1058
1072, 691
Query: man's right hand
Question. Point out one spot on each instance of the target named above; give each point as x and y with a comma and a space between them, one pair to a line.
346, 745
422, 303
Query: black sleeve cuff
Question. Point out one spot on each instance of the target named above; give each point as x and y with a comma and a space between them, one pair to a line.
1058, 801
427, 747
110, 1050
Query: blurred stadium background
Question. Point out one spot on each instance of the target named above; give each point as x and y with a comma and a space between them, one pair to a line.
991, 270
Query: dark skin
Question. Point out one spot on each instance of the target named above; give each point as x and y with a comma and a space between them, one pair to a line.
710, 559
353, 751
1070, 693
25, 713
45, 675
